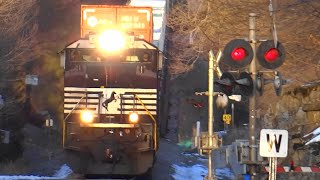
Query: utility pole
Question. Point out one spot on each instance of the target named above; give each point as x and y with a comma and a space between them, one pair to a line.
252, 101
210, 113
211, 140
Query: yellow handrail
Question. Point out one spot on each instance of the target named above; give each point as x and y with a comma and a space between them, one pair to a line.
154, 121
64, 121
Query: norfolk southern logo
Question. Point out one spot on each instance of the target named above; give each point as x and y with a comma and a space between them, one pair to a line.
113, 97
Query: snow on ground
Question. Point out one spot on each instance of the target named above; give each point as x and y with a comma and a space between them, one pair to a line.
62, 173
198, 170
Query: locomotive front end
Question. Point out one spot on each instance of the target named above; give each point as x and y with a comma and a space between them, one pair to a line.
111, 98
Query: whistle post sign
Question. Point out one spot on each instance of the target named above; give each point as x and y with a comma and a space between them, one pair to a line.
273, 143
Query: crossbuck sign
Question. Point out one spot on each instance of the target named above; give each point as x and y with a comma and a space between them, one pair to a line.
273, 143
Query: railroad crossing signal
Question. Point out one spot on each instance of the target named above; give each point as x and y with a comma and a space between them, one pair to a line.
269, 56
226, 83
238, 53
245, 84
233, 83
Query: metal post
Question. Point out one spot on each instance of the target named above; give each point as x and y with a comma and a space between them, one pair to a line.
225, 125
197, 139
210, 113
232, 114
252, 100
49, 124
275, 167
272, 168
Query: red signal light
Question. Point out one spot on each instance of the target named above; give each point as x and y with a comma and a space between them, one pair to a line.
271, 55
238, 54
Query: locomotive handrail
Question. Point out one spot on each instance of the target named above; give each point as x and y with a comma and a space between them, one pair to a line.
154, 121
74, 107
64, 121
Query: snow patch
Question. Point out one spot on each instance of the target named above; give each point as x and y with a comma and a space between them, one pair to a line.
62, 173
198, 172
224, 173
195, 172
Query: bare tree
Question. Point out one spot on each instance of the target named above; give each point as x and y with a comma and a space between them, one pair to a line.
198, 26
18, 19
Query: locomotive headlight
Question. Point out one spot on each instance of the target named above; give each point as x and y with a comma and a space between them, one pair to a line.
86, 116
112, 40
133, 117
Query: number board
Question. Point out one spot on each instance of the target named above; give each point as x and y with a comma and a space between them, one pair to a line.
226, 118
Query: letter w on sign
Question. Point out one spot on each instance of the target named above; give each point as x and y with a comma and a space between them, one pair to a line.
273, 143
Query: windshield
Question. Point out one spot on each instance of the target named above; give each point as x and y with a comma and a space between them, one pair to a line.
120, 75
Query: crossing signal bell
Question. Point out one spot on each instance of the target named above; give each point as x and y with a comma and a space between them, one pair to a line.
269, 56
238, 53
